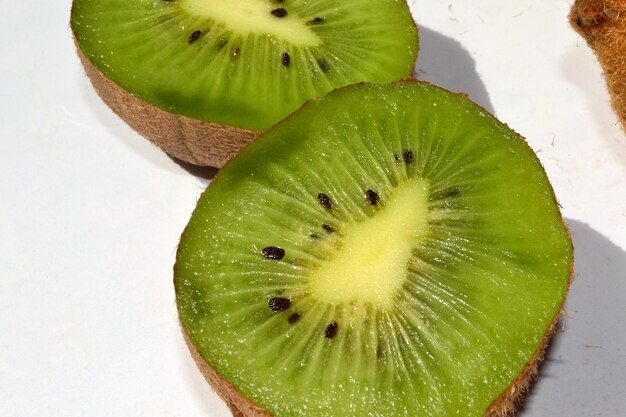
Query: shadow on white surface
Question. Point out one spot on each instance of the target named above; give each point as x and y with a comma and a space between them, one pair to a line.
580, 67
444, 62
206, 174
581, 374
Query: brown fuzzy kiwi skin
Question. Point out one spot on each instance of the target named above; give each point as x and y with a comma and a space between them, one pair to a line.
197, 142
504, 405
602, 23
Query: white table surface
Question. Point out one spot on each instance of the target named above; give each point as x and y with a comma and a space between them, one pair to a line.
90, 215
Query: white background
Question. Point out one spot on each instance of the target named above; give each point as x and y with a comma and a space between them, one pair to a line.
90, 215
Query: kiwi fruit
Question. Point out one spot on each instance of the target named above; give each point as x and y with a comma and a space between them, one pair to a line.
404, 256
602, 23
202, 78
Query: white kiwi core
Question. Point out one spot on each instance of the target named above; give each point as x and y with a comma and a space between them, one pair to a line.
370, 264
253, 17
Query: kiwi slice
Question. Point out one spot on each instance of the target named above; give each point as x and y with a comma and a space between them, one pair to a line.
404, 257
201, 78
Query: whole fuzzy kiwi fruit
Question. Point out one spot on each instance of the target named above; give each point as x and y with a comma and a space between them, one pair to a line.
387, 250
202, 78
603, 25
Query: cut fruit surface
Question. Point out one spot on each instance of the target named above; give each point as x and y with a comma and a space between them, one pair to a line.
369, 263
403, 256
244, 64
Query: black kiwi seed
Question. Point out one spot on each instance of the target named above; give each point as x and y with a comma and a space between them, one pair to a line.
294, 318
323, 64
315, 21
331, 330
194, 36
314, 236
279, 304
235, 53
396, 157
371, 197
328, 228
279, 12
272, 252
285, 59
325, 201
408, 157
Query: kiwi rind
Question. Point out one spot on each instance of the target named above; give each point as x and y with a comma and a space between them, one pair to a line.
602, 23
194, 141
191, 140
505, 404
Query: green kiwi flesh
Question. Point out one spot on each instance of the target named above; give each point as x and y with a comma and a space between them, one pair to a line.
387, 250
243, 65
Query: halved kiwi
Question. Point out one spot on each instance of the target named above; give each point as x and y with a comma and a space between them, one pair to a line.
403, 256
201, 78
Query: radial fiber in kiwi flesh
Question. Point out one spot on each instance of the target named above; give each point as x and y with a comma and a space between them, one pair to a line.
405, 256
200, 78
603, 25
